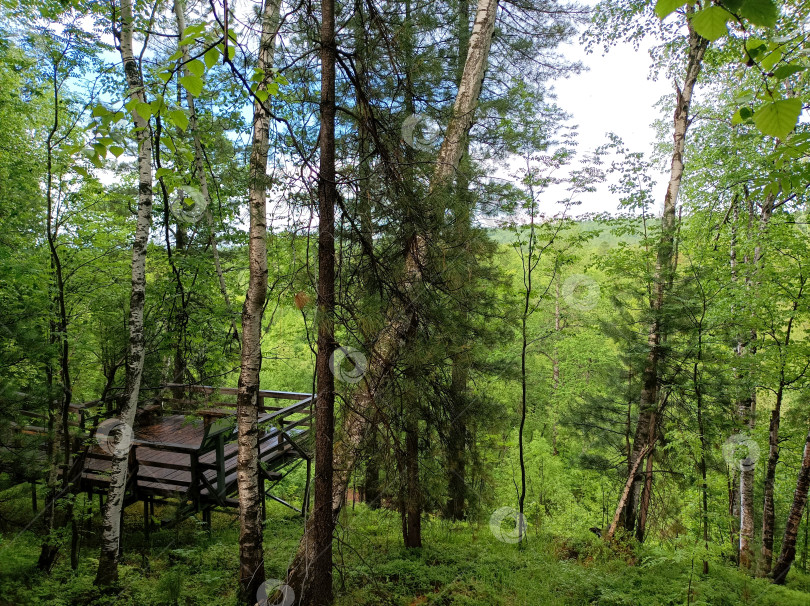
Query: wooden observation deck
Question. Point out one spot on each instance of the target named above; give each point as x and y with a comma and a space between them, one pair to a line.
185, 449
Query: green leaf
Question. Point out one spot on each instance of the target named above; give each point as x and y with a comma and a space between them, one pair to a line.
272, 88
192, 84
163, 172
176, 55
667, 7
742, 115
194, 30
211, 57
262, 95
116, 151
760, 12
778, 118
157, 106
711, 22
231, 52
144, 110
196, 67
772, 58
100, 110
80, 170
179, 118
785, 71
165, 76
258, 75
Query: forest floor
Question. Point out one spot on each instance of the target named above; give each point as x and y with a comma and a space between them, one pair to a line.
460, 564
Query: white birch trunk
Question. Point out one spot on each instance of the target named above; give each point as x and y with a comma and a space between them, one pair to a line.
251, 554
111, 534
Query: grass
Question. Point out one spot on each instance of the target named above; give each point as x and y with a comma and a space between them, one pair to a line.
460, 564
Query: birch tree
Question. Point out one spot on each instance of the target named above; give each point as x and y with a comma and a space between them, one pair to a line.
111, 535
649, 406
251, 554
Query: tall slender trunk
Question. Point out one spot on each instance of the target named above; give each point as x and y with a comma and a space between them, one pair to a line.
704, 488
648, 419
111, 534
59, 435
457, 431
388, 343
788, 553
371, 485
251, 552
413, 504
319, 591
555, 368
528, 267
456, 441
768, 511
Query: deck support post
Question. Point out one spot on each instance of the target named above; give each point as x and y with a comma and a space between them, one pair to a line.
305, 504
263, 484
147, 523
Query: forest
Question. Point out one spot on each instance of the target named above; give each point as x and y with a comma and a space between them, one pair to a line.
303, 302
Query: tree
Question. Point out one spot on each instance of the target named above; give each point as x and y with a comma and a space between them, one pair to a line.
108, 560
650, 406
251, 554
319, 592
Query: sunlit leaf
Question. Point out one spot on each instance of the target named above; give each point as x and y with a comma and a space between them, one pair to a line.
778, 118
192, 84
179, 118
711, 22
760, 12
211, 57
667, 7
196, 67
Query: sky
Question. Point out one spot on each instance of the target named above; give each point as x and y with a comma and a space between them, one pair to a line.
613, 95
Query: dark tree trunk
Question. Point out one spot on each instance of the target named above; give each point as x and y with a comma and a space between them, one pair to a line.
413, 537
371, 484
768, 513
788, 553
388, 344
319, 593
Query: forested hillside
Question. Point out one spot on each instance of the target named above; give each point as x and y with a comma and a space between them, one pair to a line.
299, 305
